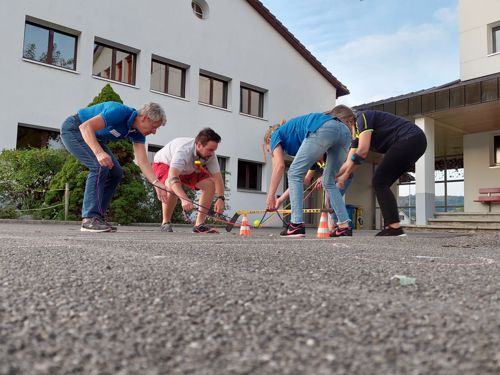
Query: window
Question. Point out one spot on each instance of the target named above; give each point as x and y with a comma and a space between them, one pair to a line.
223, 167
251, 102
114, 63
249, 175
31, 137
198, 11
49, 46
496, 39
213, 91
200, 8
496, 149
152, 150
168, 78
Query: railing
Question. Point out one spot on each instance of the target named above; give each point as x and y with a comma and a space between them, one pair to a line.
65, 202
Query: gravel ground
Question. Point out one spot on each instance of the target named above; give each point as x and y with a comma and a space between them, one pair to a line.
144, 302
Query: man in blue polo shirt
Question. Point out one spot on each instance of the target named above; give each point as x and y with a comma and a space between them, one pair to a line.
85, 136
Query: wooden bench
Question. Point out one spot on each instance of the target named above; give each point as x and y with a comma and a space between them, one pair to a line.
489, 196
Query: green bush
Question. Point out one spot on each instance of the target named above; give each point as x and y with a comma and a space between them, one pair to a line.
8, 213
26, 175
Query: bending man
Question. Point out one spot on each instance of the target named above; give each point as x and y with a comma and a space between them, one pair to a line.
191, 162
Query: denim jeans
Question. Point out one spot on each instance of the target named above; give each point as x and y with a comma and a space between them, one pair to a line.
101, 181
334, 138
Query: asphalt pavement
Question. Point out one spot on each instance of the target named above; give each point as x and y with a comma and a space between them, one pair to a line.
139, 301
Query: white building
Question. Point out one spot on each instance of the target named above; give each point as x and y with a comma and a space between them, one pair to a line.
461, 120
227, 64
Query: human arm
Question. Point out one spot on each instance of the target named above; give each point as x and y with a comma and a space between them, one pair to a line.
88, 130
142, 161
360, 153
277, 174
219, 192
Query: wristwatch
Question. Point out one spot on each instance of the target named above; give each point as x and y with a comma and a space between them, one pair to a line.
220, 197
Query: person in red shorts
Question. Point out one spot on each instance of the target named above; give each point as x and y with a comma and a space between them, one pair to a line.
191, 162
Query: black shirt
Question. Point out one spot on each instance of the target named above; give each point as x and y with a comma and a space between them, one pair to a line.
386, 129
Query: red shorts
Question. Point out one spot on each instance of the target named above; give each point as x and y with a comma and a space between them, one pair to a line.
161, 171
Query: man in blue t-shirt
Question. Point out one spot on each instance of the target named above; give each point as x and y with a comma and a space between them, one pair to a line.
85, 136
307, 138
402, 143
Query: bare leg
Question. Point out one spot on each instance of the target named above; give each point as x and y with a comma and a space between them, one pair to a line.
207, 188
167, 209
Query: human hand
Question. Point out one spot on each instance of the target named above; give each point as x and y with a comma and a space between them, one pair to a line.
161, 192
187, 205
318, 184
341, 180
219, 206
271, 203
104, 159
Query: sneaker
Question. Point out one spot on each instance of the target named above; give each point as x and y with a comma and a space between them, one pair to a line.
94, 224
341, 232
294, 231
392, 232
202, 228
167, 227
112, 228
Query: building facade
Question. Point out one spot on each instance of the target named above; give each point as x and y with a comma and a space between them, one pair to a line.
461, 120
226, 64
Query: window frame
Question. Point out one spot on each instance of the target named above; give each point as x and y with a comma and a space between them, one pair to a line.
223, 165
44, 134
246, 186
496, 150
225, 89
167, 65
50, 44
131, 65
151, 150
495, 32
249, 104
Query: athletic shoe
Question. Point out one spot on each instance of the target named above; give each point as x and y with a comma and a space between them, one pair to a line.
167, 227
202, 228
112, 228
94, 224
294, 231
392, 232
341, 232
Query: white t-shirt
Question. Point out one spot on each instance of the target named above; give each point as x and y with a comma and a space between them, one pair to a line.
180, 153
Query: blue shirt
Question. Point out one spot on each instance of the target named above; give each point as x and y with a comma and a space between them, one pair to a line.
118, 119
293, 132
386, 129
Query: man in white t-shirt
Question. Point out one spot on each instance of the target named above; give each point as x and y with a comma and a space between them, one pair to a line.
191, 162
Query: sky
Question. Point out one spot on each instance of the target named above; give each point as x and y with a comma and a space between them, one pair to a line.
377, 48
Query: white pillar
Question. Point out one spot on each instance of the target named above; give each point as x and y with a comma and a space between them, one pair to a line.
424, 174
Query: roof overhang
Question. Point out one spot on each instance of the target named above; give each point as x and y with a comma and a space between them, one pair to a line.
458, 107
301, 49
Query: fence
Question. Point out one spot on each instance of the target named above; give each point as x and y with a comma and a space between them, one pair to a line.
65, 202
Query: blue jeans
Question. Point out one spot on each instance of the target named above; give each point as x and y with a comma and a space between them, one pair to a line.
334, 138
101, 181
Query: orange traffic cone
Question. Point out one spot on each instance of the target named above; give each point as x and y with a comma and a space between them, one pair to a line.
245, 228
323, 226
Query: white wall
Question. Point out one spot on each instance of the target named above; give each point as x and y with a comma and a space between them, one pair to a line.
478, 150
235, 41
476, 58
